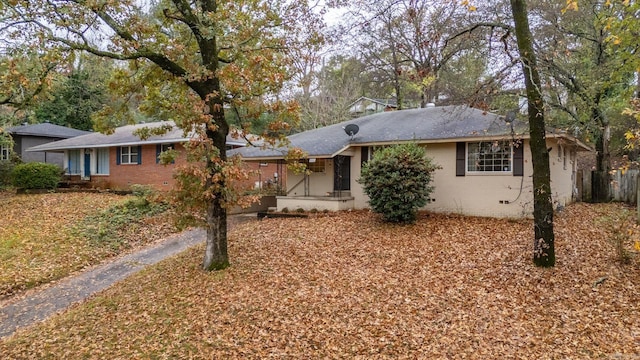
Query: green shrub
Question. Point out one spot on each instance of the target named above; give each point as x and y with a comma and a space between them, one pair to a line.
6, 168
142, 191
103, 229
397, 181
36, 175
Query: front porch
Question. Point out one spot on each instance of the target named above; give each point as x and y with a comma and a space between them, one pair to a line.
332, 202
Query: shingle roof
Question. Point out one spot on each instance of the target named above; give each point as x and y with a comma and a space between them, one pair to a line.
423, 125
123, 136
46, 130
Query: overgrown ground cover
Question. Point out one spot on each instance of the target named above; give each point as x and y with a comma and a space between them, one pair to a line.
44, 237
348, 286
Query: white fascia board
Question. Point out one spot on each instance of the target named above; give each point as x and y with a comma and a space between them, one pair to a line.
272, 158
572, 139
261, 158
130, 143
343, 149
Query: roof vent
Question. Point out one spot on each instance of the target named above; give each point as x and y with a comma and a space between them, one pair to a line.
431, 105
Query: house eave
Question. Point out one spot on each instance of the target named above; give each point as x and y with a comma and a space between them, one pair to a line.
579, 144
98, 146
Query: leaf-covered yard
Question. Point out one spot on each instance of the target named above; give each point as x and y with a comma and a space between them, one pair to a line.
347, 286
44, 237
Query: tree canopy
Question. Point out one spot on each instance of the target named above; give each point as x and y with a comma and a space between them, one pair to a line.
183, 61
74, 97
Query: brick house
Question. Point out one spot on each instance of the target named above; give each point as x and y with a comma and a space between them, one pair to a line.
122, 159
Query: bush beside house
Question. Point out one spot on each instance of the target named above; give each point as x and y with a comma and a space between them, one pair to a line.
397, 181
36, 175
6, 168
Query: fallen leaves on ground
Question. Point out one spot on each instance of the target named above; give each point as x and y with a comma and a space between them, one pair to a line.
38, 243
349, 286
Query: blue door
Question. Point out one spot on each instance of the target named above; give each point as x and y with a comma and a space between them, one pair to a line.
87, 165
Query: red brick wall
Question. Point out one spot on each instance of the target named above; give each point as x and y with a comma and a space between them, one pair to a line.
161, 176
263, 174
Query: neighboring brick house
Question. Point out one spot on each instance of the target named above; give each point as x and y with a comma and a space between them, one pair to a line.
122, 159
26, 136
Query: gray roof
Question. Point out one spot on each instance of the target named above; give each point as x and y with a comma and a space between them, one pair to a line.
433, 124
123, 136
46, 130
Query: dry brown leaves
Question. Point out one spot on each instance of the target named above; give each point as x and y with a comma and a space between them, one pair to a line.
37, 244
348, 286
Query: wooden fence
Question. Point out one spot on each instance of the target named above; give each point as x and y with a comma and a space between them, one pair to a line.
623, 186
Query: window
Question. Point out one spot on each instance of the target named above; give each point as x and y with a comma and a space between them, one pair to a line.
102, 162
491, 156
130, 155
160, 148
375, 149
559, 152
368, 152
73, 167
315, 165
4, 152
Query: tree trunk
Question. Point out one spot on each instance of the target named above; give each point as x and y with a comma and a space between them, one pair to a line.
216, 256
396, 72
603, 158
543, 246
399, 98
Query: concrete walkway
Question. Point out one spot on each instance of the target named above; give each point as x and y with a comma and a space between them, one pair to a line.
43, 304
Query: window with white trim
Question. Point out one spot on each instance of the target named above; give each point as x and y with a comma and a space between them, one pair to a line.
374, 149
161, 148
5, 152
166, 147
489, 156
316, 165
129, 155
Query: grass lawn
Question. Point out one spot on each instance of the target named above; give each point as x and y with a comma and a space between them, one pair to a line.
348, 286
44, 237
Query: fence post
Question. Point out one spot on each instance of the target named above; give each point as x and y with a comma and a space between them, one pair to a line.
579, 186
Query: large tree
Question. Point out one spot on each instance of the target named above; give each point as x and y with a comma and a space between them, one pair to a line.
412, 42
25, 74
544, 251
543, 247
76, 95
335, 86
588, 69
190, 60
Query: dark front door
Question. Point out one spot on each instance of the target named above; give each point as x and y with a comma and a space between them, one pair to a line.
341, 173
87, 165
